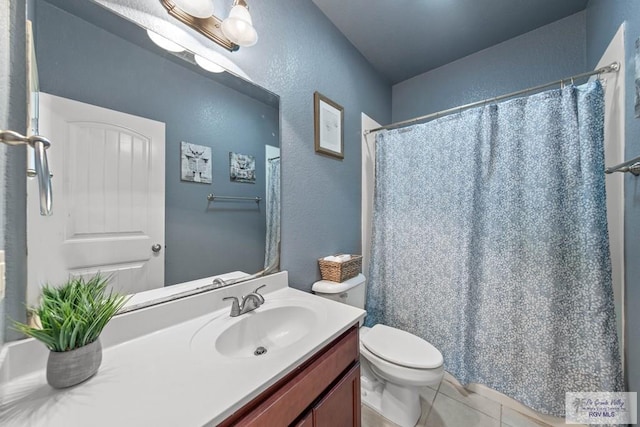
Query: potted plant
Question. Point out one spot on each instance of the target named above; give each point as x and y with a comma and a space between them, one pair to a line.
71, 318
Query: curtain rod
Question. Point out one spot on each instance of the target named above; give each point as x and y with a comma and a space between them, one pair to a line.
614, 67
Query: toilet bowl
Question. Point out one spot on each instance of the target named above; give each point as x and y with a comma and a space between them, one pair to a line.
394, 364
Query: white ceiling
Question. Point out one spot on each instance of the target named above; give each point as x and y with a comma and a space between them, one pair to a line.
404, 38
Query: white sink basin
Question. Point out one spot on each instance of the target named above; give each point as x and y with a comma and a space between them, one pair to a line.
267, 329
264, 331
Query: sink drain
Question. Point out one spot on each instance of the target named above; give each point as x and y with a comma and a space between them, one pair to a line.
260, 351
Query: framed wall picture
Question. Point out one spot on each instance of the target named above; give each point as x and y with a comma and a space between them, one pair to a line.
195, 163
328, 126
242, 168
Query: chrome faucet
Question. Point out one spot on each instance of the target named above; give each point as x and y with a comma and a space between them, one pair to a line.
249, 302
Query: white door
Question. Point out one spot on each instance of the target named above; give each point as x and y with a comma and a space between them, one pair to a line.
108, 192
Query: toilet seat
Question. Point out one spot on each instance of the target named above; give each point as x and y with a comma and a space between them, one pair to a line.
401, 374
401, 348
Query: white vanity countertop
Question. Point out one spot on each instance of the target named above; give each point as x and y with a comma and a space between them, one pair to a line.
168, 377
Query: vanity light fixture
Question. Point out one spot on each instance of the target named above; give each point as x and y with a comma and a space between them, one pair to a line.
231, 33
238, 26
171, 46
164, 42
196, 8
208, 65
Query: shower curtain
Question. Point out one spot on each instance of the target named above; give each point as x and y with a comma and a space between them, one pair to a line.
272, 245
490, 241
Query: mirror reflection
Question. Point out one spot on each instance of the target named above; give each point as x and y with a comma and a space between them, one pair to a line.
141, 138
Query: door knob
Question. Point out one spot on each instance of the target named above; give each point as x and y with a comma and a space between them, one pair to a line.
156, 248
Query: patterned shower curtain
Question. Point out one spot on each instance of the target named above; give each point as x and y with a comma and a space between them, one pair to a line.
490, 241
272, 246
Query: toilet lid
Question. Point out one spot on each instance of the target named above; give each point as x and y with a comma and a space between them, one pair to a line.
401, 348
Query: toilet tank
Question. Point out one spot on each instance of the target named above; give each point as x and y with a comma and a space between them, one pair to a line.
350, 291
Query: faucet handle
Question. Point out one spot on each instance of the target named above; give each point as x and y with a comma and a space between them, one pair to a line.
219, 282
235, 306
258, 294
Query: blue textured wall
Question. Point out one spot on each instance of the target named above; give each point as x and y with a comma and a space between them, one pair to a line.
603, 20
549, 53
76, 60
299, 52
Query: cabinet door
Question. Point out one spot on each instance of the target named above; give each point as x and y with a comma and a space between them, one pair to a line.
284, 402
307, 421
340, 407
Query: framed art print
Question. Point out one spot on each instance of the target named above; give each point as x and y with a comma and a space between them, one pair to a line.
195, 163
242, 168
328, 126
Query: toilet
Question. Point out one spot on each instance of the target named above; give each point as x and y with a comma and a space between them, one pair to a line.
394, 363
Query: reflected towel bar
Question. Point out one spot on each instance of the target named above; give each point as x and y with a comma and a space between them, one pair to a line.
211, 197
632, 166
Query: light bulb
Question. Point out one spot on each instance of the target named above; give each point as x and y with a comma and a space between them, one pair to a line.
238, 27
197, 8
208, 65
164, 42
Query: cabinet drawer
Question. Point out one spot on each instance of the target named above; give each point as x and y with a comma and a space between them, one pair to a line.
283, 403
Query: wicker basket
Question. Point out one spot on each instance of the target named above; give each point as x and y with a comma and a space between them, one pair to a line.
340, 271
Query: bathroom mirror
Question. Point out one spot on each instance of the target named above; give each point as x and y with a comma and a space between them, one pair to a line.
108, 95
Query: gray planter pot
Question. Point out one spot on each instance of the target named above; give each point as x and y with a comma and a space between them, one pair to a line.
68, 368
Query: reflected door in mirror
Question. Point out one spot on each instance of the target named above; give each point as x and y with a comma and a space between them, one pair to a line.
108, 179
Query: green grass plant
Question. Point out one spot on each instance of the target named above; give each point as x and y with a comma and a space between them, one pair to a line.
74, 314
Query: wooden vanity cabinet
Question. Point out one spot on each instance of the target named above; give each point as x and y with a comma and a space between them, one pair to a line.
322, 392
340, 406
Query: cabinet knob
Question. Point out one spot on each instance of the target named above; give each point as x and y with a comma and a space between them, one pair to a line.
156, 248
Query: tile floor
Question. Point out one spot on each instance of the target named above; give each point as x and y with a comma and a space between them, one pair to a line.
448, 406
